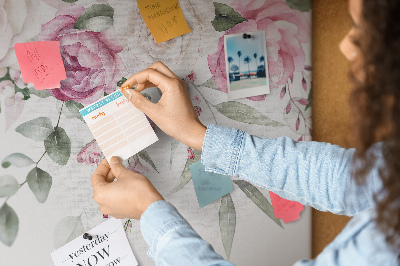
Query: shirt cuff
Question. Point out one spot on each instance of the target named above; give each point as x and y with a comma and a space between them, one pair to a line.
222, 147
158, 219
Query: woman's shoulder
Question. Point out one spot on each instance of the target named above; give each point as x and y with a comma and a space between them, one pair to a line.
363, 239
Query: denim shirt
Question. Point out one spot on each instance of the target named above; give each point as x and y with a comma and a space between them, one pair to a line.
312, 173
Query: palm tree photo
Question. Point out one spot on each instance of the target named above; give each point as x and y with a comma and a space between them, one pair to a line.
247, 60
230, 60
239, 53
262, 59
255, 59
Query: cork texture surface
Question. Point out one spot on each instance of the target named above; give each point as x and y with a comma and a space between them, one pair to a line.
331, 89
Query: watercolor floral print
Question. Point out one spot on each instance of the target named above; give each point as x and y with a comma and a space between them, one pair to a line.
99, 48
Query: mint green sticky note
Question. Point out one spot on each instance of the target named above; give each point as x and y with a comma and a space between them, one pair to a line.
209, 186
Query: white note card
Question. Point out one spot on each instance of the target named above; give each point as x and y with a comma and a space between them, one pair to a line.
118, 126
108, 247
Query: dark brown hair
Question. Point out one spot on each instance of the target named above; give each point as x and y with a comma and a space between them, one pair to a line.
375, 102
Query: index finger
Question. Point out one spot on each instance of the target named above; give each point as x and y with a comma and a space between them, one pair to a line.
153, 76
100, 174
160, 67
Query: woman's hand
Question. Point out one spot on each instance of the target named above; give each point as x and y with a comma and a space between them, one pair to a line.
128, 196
174, 113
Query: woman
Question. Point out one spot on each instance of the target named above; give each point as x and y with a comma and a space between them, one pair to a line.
317, 174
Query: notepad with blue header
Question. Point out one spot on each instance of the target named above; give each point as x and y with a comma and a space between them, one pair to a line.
118, 126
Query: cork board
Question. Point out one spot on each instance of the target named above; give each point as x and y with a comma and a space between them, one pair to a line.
331, 89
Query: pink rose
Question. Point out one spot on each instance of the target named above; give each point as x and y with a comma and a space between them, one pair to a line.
191, 77
198, 110
19, 22
91, 59
191, 155
285, 30
90, 154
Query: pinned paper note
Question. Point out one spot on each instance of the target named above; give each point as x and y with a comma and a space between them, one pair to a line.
164, 18
209, 186
118, 126
41, 64
284, 209
108, 246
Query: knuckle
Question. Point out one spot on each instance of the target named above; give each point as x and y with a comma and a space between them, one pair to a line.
98, 196
176, 83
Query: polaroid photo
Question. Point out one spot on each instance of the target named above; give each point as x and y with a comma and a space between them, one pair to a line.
246, 64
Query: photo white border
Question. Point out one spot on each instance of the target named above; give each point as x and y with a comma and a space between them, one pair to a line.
246, 92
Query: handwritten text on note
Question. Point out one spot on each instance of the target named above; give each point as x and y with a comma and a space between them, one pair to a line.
164, 18
41, 64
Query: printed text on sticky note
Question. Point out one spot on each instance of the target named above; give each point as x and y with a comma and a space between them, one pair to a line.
284, 209
108, 246
41, 64
209, 186
164, 18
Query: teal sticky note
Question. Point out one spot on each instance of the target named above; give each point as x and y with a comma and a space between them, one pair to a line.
209, 186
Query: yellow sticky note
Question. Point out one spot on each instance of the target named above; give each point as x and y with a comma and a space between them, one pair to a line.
164, 18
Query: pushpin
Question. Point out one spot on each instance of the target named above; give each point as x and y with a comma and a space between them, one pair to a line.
246, 36
87, 236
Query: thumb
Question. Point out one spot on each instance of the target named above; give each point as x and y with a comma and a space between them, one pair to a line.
139, 101
117, 167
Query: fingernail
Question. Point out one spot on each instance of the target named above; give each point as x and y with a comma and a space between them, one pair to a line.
115, 160
128, 94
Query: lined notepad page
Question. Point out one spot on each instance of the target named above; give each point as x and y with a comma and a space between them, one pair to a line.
118, 126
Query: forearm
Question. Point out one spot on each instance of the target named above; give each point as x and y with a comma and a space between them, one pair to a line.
172, 240
312, 173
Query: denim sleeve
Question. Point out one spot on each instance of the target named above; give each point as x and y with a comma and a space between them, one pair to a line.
312, 173
172, 240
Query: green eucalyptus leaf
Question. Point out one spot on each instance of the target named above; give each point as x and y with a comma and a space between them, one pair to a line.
119, 83
66, 230
16, 159
210, 84
70, 1
37, 129
8, 186
225, 17
186, 176
174, 145
145, 156
39, 93
309, 99
9, 224
39, 182
258, 198
24, 91
244, 113
58, 146
227, 223
96, 18
73, 108
302, 5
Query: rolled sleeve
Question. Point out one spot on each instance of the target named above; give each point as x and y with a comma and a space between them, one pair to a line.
222, 147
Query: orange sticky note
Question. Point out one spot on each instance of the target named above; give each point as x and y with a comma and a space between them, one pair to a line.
164, 18
284, 209
41, 64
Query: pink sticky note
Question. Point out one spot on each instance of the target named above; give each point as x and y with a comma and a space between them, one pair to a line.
41, 64
284, 209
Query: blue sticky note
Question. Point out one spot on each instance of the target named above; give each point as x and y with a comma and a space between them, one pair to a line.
209, 186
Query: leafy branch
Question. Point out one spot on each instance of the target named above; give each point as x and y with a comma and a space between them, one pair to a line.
58, 147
